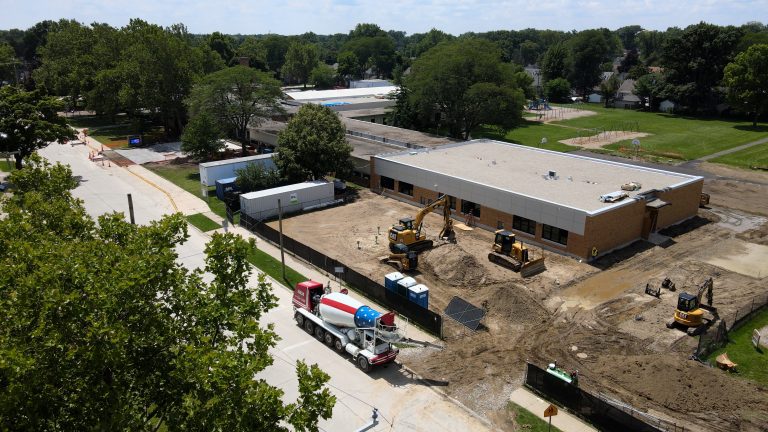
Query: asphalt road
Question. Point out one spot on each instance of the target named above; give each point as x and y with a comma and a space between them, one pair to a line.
404, 403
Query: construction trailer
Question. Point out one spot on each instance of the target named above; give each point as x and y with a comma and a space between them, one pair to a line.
217, 170
293, 198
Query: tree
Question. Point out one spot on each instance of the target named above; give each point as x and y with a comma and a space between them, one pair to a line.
555, 63
589, 49
529, 51
313, 144
462, 84
608, 88
373, 52
322, 76
694, 62
255, 177
628, 36
300, 59
103, 329
201, 138
747, 81
631, 59
237, 97
30, 121
349, 67
223, 45
255, 51
557, 90
8, 63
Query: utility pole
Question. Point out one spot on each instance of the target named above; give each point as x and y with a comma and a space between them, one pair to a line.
130, 209
280, 224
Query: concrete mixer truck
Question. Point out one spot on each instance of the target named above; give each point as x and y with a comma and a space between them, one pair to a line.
345, 324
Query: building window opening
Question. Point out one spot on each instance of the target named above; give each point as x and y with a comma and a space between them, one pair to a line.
524, 225
470, 207
405, 188
555, 234
387, 183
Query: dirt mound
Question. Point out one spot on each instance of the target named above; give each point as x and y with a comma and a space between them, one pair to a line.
682, 385
451, 264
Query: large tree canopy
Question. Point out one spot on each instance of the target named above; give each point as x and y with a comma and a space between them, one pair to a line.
103, 330
747, 81
694, 63
465, 84
589, 50
300, 59
29, 121
313, 144
237, 97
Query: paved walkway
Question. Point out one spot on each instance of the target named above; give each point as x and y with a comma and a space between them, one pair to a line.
733, 150
563, 421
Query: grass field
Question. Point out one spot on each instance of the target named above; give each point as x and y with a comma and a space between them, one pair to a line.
273, 267
202, 222
187, 177
753, 364
114, 133
527, 420
7, 165
672, 136
756, 156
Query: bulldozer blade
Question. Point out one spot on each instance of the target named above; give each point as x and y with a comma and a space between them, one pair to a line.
532, 268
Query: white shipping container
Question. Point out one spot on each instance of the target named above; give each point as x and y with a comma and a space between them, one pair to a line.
293, 198
212, 171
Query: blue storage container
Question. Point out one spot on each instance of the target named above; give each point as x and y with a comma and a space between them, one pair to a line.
403, 285
390, 280
225, 185
419, 294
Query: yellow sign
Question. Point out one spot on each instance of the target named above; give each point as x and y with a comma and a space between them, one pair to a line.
551, 411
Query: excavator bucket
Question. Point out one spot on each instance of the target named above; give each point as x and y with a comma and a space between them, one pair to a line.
533, 267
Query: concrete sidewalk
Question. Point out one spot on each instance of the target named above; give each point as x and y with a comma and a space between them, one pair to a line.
563, 421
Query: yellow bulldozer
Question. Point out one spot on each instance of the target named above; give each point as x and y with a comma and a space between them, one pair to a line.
512, 254
401, 258
691, 313
410, 233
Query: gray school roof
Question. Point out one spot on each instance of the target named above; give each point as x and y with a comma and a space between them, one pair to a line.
515, 179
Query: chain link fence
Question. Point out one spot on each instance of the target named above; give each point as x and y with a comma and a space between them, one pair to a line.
716, 336
384, 140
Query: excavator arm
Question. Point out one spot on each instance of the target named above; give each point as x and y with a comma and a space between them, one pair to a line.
442, 200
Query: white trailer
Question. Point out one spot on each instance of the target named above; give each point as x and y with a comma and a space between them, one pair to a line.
293, 198
212, 171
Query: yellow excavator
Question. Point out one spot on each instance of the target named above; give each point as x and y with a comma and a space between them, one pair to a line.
512, 254
690, 310
409, 232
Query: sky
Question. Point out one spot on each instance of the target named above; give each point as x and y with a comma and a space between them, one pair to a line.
289, 17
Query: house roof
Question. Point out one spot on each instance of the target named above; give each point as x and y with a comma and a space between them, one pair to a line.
627, 86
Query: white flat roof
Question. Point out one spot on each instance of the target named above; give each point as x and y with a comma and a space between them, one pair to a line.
283, 189
343, 93
579, 183
236, 160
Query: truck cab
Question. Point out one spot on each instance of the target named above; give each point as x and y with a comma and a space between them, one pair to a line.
307, 295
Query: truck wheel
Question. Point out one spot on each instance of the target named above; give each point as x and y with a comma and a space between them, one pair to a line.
338, 345
363, 364
309, 327
319, 333
299, 319
328, 339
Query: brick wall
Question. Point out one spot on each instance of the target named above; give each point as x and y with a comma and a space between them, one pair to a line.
610, 230
685, 204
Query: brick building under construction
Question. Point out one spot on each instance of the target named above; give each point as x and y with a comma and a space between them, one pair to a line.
568, 203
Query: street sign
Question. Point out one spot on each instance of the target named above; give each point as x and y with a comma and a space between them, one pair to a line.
134, 140
551, 411
635, 142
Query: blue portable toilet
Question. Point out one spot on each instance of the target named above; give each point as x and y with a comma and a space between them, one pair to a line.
419, 294
390, 281
403, 285
225, 185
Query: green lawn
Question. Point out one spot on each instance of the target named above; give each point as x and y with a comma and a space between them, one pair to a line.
672, 136
114, 133
527, 420
202, 222
753, 364
756, 156
7, 165
273, 267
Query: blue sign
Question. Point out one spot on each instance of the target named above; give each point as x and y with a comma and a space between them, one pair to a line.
134, 141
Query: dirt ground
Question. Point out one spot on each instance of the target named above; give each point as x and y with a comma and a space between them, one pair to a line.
556, 113
603, 138
594, 318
